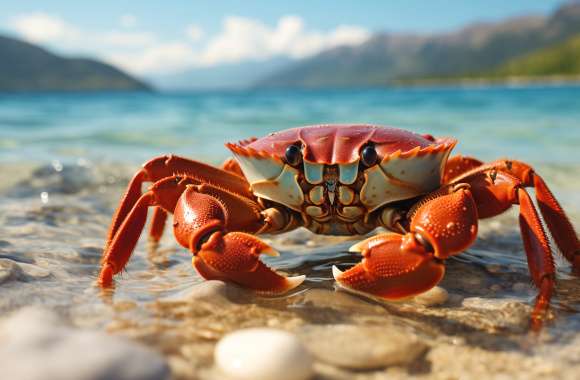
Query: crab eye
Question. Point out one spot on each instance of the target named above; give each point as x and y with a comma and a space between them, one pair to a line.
369, 155
293, 155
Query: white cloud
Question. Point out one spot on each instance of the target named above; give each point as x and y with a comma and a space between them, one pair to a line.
194, 32
43, 27
162, 58
245, 39
128, 21
142, 52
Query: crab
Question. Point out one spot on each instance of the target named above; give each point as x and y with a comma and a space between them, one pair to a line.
340, 180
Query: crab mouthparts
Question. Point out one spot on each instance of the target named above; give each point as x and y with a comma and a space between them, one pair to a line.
330, 181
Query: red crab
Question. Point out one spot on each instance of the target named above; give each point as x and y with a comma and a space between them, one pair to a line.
340, 180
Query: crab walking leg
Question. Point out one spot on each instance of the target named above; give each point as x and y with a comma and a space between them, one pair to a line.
556, 219
208, 221
398, 266
162, 194
157, 224
494, 193
167, 166
457, 165
558, 223
232, 166
131, 196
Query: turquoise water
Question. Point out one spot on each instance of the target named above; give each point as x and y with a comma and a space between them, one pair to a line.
65, 161
537, 124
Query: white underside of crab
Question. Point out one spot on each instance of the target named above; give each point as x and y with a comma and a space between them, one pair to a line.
396, 177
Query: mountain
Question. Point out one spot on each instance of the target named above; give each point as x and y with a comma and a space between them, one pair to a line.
27, 67
390, 58
562, 59
225, 76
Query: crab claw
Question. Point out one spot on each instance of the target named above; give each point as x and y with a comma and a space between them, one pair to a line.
393, 267
234, 257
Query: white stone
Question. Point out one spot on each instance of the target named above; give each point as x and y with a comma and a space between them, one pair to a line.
263, 354
362, 347
432, 297
36, 344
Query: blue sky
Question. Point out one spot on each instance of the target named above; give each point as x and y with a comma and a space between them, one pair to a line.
155, 37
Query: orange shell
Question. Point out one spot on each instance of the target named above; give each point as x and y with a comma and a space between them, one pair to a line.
341, 144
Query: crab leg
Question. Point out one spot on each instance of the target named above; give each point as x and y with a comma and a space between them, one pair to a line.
556, 220
166, 166
208, 221
231, 165
163, 194
457, 165
157, 224
494, 193
558, 223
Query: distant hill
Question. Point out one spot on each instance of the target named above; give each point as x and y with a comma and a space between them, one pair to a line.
562, 59
27, 67
224, 76
389, 58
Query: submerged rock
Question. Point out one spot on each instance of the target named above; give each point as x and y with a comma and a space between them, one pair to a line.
36, 344
14, 271
212, 291
362, 347
263, 354
433, 297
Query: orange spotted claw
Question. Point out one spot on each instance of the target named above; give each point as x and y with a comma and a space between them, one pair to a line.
234, 257
393, 267
399, 266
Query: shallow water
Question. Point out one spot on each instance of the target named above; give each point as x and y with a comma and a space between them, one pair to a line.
66, 161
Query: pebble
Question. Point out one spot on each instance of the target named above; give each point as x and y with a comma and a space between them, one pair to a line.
432, 297
37, 344
362, 347
343, 301
489, 303
263, 354
212, 291
14, 271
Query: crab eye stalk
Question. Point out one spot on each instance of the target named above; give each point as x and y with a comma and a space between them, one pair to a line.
369, 155
293, 155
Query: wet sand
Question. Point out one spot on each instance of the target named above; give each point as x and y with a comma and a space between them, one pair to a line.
54, 220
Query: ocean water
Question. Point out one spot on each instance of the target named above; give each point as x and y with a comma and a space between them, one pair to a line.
65, 160
537, 124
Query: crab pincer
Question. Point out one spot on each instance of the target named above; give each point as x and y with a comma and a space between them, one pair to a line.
201, 223
396, 266
234, 257
392, 268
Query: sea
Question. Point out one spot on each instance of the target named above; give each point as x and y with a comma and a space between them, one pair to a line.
539, 124
65, 160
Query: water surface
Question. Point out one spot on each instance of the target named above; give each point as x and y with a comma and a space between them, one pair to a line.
66, 158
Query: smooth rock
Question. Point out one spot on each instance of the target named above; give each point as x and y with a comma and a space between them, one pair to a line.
263, 354
324, 298
362, 347
432, 297
36, 344
212, 291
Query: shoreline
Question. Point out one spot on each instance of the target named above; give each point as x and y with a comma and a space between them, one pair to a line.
512, 81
